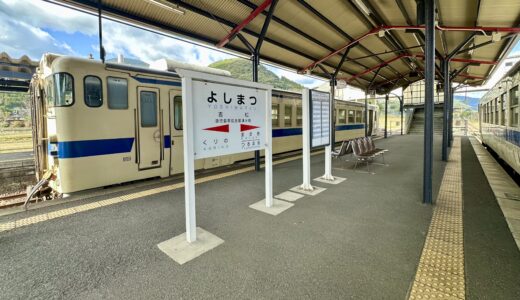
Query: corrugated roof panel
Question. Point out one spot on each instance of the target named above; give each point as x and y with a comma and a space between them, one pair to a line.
199, 22
500, 13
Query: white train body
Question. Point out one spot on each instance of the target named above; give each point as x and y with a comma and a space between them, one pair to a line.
102, 124
499, 118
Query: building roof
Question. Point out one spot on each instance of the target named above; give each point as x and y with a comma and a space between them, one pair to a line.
16, 73
311, 36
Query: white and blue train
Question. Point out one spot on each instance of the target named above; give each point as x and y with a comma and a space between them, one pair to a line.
498, 115
98, 124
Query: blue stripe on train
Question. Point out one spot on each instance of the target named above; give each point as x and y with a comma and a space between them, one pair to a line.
85, 148
298, 131
156, 81
94, 147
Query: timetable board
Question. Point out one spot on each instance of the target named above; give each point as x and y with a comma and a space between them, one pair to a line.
319, 118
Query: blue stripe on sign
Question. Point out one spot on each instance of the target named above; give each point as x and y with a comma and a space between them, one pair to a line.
167, 142
156, 81
94, 147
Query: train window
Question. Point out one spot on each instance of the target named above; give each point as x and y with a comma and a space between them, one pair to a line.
92, 91
63, 89
513, 114
287, 116
177, 112
148, 103
495, 119
299, 116
513, 95
503, 109
351, 117
342, 116
117, 93
275, 114
359, 116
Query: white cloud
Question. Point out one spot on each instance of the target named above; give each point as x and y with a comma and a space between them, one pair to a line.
41, 14
18, 38
148, 46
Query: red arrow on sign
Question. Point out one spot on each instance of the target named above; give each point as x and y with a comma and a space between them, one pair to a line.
245, 127
221, 128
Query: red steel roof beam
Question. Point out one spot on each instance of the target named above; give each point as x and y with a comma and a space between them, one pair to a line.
418, 55
388, 27
376, 67
244, 23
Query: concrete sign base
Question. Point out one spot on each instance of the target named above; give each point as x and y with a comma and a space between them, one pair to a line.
289, 196
181, 251
336, 180
278, 207
315, 191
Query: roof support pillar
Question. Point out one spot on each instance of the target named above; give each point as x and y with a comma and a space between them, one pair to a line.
332, 111
386, 116
450, 118
447, 108
256, 61
366, 113
255, 56
100, 32
429, 16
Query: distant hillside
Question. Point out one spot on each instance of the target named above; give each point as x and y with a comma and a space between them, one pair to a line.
243, 69
469, 101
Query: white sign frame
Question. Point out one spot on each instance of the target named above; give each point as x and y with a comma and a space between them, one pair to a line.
312, 121
188, 76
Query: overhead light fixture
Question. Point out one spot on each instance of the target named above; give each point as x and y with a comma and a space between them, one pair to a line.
173, 8
496, 36
363, 7
381, 33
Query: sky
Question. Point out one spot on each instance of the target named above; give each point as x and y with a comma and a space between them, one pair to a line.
34, 27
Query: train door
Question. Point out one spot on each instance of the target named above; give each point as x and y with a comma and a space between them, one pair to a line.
176, 151
149, 124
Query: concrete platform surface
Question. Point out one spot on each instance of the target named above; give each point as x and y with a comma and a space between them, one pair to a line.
359, 239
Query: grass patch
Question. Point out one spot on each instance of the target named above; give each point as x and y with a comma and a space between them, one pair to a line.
15, 141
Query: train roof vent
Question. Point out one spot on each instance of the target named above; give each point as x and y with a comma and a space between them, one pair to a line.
170, 65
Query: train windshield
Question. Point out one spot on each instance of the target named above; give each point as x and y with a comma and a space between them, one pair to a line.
59, 89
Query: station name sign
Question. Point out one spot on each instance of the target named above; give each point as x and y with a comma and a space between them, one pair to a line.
320, 104
227, 119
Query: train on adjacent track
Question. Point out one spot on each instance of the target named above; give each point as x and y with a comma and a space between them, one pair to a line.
98, 124
499, 109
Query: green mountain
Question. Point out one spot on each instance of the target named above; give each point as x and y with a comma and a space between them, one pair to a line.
243, 69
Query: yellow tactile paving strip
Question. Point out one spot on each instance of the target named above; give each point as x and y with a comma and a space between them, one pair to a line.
440, 274
118, 199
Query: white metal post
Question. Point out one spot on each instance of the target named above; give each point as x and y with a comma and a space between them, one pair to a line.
328, 149
189, 160
306, 142
268, 152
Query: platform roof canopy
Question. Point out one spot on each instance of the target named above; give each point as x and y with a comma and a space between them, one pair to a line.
383, 42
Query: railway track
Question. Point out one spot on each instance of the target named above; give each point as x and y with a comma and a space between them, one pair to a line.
11, 200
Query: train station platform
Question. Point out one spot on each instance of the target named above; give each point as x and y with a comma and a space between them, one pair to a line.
369, 237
